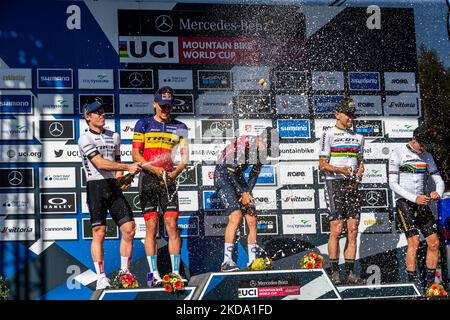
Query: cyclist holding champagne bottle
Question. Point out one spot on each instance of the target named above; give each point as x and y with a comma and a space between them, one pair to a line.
100, 153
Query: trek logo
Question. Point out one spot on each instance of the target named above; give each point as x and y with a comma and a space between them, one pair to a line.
148, 49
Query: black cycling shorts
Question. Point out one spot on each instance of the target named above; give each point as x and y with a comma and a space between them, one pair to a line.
228, 194
343, 202
414, 218
152, 195
104, 196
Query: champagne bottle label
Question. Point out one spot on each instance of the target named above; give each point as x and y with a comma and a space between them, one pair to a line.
125, 180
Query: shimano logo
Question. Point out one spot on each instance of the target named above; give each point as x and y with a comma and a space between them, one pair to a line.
54, 78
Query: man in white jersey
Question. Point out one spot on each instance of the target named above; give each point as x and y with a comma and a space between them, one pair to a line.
341, 161
408, 166
100, 153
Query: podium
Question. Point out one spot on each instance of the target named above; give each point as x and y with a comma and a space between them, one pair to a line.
381, 291
143, 294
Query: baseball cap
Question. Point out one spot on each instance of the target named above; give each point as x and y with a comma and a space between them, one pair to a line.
346, 105
164, 96
425, 136
92, 107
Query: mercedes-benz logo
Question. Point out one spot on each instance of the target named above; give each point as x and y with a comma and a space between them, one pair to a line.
253, 283
56, 129
135, 79
137, 202
164, 23
15, 178
182, 177
372, 197
216, 128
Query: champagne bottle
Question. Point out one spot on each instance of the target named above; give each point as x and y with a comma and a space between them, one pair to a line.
125, 180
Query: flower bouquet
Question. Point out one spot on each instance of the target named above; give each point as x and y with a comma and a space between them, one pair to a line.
4, 291
311, 260
260, 264
436, 290
172, 282
124, 280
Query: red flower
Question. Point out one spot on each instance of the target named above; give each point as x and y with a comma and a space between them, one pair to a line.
434, 286
319, 264
309, 265
442, 293
312, 255
166, 278
178, 284
168, 288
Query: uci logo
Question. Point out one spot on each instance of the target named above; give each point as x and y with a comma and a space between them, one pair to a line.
151, 49
247, 292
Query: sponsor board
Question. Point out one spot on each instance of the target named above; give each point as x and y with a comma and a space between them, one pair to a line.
140, 228
16, 102
17, 203
144, 49
368, 105
188, 226
299, 223
266, 177
84, 206
20, 153
107, 99
265, 199
374, 173
292, 104
112, 231
217, 129
374, 198
215, 103
214, 79
364, 81
211, 201
379, 150
322, 200
215, 226
15, 78
55, 103
400, 81
20, 128
56, 130
247, 78
256, 104
400, 127
59, 229
294, 129
321, 125
294, 173
208, 175
268, 288
188, 200
176, 79
188, 177
327, 81
205, 152
54, 203
54, 78
16, 178
369, 128
17, 230
127, 128
253, 127
95, 79
60, 152
266, 225
325, 104
136, 79
324, 223
291, 80
374, 222
190, 124
404, 104
297, 199
136, 104
134, 201
110, 124
299, 151
57, 177
183, 104
126, 156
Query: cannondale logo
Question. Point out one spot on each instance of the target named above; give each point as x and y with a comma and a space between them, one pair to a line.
164, 23
135, 79
372, 197
56, 129
15, 178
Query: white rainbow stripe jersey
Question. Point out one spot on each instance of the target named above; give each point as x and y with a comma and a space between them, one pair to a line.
407, 171
341, 148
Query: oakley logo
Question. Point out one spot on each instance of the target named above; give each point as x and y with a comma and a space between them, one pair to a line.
57, 201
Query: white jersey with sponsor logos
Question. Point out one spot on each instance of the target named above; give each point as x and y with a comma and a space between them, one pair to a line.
341, 148
106, 144
407, 171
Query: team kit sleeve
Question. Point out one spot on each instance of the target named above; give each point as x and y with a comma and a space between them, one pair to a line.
394, 176
253, 176
139, 135
325, 150
436, 176
87, 147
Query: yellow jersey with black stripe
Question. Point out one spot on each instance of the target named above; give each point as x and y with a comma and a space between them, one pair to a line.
158, 141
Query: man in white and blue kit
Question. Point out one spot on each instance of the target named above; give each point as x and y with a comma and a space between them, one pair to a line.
408, 166
341, 160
